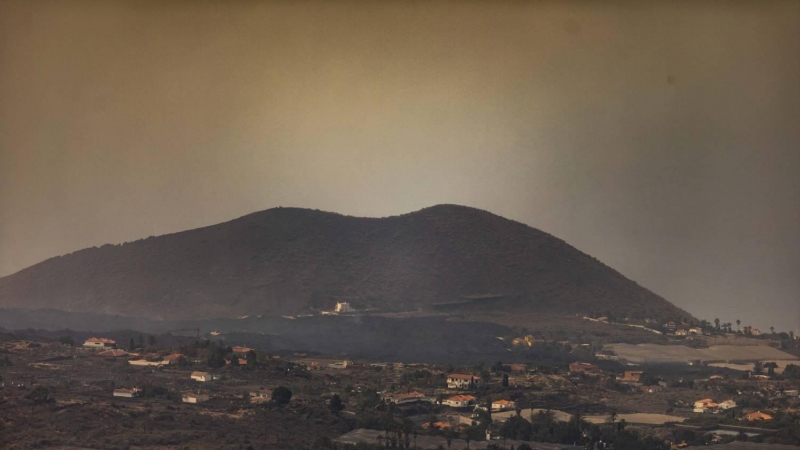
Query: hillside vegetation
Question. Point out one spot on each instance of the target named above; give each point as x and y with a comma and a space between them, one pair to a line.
287, 260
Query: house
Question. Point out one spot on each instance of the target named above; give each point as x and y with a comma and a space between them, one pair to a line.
525, 341
758, 415
128, 393
339, 365
503, 405
241, 361
681, 333
145, 362
726, 405
716, 377
459, 401
583, 367
201, 376
111, 354
461, 381
195, 398
705, 405
670, 326
791, 393
400, 399
632, 377
241, 351
100, 343
343, 307
695, 330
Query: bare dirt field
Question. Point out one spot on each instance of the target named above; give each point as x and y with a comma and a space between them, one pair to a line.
655, 353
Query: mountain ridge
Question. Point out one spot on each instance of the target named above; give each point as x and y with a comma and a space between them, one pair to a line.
286, 260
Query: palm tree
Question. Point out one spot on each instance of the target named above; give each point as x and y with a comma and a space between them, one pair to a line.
772, 330
716, 323
738, 323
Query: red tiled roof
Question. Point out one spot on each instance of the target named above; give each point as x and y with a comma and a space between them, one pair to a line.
461, 398
461, 376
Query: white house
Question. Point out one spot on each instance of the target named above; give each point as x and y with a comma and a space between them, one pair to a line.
727, 404
695, 330
100, 343
791, 393
503, 405
705, 405
458, 401
201, 376
461, 381
339, 365
195, 398
128, 393
344, 307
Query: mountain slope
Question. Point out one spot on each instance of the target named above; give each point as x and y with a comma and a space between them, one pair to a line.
282, 260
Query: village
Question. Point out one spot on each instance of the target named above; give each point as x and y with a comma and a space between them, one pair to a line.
203, 393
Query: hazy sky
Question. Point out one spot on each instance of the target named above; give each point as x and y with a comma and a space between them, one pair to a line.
661, 137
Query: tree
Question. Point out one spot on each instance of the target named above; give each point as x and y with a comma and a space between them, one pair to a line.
281, 396
131, 345
772, 330
251, 358
67, 340
518, 428
771, 366
738, 323
151, 340
336, 404
716, 323
234, 361
758, 368
612, 416
505, 380
39, 395
141, 341
792, 372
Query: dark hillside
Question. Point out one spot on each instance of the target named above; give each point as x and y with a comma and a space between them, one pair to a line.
284, 260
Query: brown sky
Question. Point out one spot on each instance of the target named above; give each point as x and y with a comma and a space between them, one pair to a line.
661, 137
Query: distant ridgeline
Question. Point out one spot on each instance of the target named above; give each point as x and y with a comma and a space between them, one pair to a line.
288, 261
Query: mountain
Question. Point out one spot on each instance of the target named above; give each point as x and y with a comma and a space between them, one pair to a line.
284, 261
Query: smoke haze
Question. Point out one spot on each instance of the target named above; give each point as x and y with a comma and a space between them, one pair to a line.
662, 138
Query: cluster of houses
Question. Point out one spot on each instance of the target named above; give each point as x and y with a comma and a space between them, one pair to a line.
708, 405
188, 397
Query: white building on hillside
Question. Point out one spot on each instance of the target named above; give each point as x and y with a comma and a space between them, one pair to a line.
344, 307
100, 343
195, 398
201, 376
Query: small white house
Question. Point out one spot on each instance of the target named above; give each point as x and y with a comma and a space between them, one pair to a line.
100, 343
195, 398
127, 393
344, 307
503, 405
458, 401
201, 376
727, 404
339, 365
